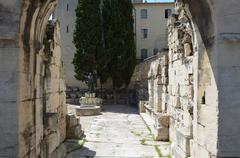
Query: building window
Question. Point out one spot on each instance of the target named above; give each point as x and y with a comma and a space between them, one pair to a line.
67, 29
144, 33
168, 13
144, 14
67, 7
144, 53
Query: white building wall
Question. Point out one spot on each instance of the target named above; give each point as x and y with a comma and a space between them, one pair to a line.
156, 23
67, 19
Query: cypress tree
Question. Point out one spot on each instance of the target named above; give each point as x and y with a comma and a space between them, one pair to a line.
119, 40
87, 38
104, 39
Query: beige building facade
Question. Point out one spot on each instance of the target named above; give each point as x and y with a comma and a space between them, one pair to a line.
151, 28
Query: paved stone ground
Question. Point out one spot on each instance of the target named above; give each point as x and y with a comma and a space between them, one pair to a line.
118, 133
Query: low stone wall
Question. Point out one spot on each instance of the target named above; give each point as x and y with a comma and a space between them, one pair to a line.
123, 96
139, 80
156, 105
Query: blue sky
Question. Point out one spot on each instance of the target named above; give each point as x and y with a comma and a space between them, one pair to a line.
160, 0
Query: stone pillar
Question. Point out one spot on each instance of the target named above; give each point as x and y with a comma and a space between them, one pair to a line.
9, 54
227, 76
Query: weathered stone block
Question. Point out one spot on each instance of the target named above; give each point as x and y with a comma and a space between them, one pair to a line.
72, 120
178, 152
162, 120
186, 91
141, 107
198, 151
75, 132
60, 152
183, 142
88, 111
51, 121
162, 134
53, 140
200, 132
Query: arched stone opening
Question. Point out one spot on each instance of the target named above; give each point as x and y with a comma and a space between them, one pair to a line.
34, 99
193, 110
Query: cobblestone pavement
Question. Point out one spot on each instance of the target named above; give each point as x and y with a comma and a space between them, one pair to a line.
118, 133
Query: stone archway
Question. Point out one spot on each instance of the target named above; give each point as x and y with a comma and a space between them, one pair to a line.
192, 79
28, 130
215, 76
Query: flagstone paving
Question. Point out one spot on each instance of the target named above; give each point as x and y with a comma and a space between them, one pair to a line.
118, 133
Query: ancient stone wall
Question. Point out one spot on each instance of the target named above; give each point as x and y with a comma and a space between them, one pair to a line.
203, 75
139, 80
32, 89
155, 106
54, 102
181, 91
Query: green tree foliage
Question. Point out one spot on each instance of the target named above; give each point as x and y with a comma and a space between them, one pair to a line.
119, 40
104, 39
87, 38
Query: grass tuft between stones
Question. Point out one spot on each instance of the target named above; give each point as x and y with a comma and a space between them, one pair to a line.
157, 149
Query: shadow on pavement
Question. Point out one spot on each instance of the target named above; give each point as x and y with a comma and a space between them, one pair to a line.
126, 109
76, 149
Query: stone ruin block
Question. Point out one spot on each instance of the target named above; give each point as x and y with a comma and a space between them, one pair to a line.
53, 141
141, 106
162, 120
186, 91
51, 121
183, 142
51, 132
186, 104
161, 134
74, 129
